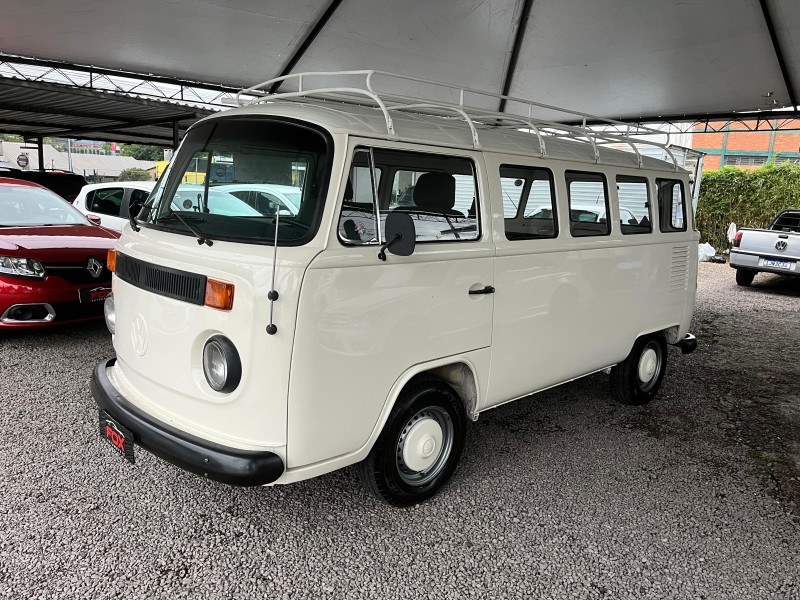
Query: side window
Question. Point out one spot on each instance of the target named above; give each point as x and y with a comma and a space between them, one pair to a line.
671, 205
588, 204
357, 221
105, 201
528, 203
438, 192
634, 205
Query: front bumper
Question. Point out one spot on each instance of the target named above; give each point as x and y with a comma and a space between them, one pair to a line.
204, 458
61, 298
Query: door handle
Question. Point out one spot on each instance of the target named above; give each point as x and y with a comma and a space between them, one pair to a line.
487, 290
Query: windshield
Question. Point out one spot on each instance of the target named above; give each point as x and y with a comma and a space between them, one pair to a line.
28, 206
235, 179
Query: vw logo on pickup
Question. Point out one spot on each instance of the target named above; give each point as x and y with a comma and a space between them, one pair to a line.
780, 245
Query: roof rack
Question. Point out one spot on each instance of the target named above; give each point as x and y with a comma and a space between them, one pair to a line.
366, 93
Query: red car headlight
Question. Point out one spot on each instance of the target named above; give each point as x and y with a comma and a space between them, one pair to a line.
21, 267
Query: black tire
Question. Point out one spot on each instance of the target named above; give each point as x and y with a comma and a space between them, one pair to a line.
745, 277
637, 379
421, 411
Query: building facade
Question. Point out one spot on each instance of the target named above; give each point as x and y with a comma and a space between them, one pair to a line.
748, 144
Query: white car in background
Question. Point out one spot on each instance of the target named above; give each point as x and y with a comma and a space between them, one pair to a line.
112, 201
266, 197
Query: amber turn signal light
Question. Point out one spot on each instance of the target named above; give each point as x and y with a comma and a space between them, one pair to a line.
111, 261
219, 294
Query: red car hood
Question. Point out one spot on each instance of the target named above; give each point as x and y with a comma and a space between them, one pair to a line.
56, 243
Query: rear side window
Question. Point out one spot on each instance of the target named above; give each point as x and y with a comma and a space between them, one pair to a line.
588, 204
529, 207
671, 205
438, 192
634, 205
105, 201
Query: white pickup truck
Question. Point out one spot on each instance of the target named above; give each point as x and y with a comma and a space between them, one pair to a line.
773, 250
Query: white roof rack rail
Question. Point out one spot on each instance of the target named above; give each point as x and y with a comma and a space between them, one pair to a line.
367, 93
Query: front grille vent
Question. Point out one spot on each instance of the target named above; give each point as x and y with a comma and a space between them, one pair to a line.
77, 273
172, 283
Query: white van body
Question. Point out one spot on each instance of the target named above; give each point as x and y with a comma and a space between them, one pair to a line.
331, 340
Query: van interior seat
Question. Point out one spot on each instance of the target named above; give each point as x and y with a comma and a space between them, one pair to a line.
436, 193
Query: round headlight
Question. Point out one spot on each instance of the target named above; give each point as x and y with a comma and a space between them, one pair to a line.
221, 364
110, 313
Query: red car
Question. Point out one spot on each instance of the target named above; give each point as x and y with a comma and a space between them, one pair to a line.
52, 259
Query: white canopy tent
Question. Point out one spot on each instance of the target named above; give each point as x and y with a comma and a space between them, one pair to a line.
628, 59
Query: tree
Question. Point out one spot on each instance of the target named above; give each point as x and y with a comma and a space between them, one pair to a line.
140, 152
134, 174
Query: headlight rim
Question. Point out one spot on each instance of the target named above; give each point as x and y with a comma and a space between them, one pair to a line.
232, 362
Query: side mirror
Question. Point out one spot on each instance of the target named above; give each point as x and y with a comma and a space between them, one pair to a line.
401, 235
94, 219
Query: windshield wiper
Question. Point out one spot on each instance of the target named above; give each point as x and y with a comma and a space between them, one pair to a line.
201, 239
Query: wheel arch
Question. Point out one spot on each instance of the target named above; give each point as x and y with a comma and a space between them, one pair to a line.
460, 372
459, 376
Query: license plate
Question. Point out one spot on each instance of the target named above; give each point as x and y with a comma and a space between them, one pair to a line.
777, 264
97, 294
120, 438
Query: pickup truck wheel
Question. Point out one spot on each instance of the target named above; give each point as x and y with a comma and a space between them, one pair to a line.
637, 379
745, 276
419, 447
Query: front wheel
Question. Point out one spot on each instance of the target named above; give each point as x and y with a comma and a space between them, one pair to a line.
419, 447
637, 379
744, 277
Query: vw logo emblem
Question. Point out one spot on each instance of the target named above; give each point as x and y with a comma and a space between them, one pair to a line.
139, 335
780, 245
95, 267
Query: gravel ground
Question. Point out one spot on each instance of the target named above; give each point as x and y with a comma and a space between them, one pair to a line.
565, 495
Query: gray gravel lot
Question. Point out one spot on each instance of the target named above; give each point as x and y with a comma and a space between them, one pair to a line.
564, 495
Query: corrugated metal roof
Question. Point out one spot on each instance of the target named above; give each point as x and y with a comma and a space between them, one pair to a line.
36, 109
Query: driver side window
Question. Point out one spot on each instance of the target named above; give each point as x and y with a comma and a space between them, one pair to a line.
438, 192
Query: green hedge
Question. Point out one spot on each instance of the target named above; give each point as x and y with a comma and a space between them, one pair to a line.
749, 198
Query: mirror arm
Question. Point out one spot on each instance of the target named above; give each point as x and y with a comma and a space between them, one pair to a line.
382, 251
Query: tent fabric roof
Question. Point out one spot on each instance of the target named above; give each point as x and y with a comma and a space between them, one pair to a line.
656, 60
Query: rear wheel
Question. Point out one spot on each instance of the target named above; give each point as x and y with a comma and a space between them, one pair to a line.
745, 276
637, 379
419, 447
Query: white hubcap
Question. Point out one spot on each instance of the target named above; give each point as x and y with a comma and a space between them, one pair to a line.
648, 364
423, 445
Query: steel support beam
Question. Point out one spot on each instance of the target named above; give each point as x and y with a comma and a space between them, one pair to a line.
40, 152
512, 61
776, 45
54, 64
309, 39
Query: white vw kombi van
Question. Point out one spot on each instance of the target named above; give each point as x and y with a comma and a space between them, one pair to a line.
437, 260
